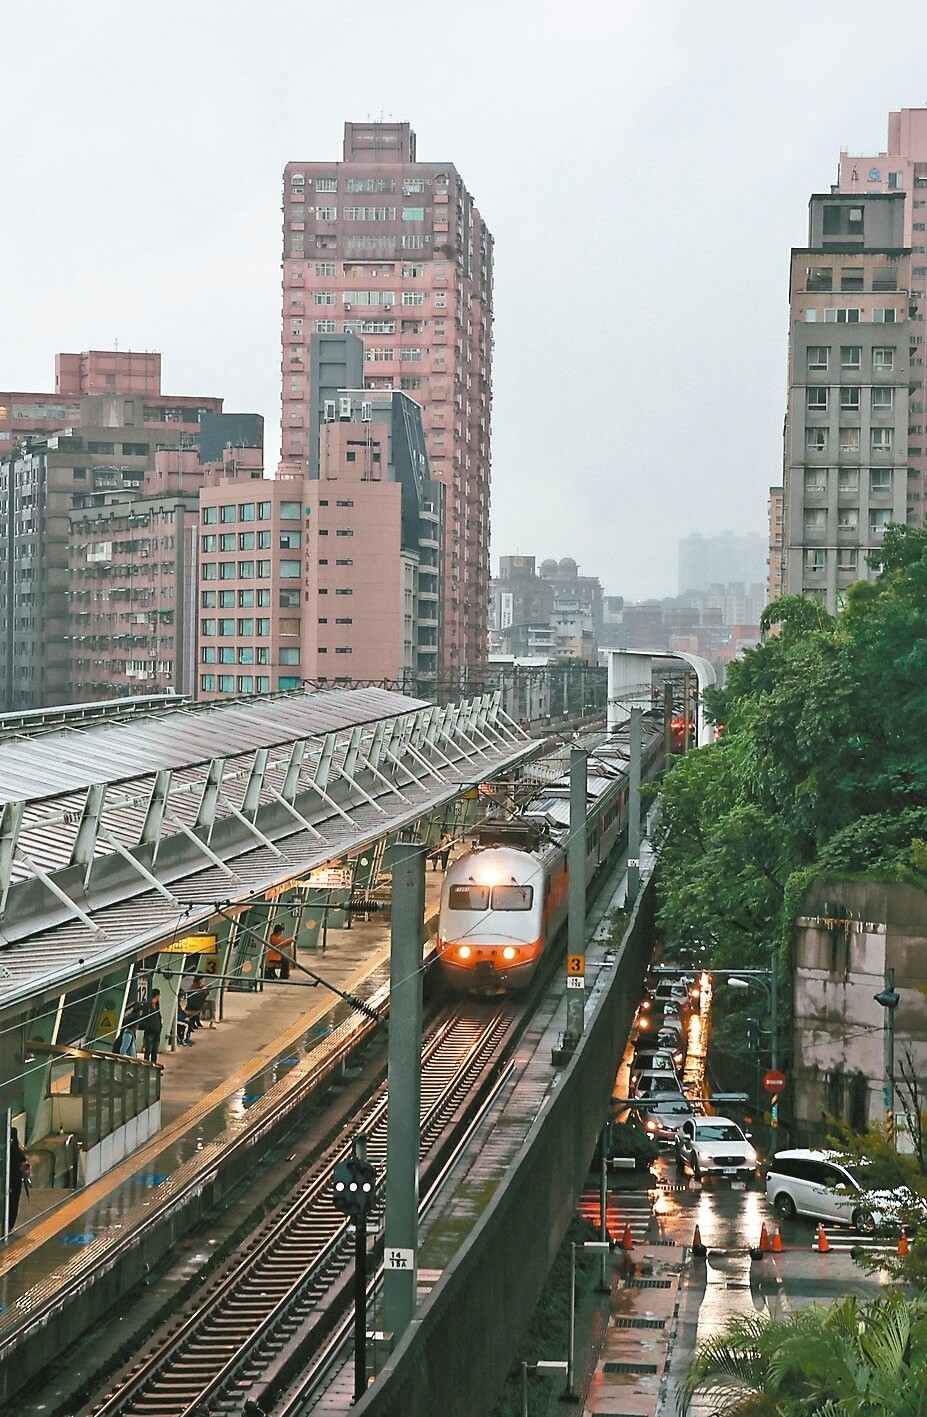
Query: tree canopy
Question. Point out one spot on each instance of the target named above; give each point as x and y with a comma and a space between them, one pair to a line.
822, 764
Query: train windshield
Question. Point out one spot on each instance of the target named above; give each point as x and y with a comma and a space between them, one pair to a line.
468, 898
512, 897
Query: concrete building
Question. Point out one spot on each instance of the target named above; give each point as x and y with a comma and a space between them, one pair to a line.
903, 168
132, 378
846, 437
774, 578
96, 599
334, 578
395, 251
552, 609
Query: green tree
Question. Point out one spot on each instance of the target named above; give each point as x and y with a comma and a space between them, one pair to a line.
850, 1360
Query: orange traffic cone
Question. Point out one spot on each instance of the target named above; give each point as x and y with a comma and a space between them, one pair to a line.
698, 1249
821, 1244
764, 1245
627, 1241
777, 1246
903, 1246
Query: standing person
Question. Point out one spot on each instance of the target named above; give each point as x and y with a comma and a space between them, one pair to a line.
20, 1174
278, 954
125, 1038
151, 1027
444, 850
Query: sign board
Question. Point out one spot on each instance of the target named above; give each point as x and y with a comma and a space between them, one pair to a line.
396, 1258
191, 945
774, 1081
576, 964
576, 981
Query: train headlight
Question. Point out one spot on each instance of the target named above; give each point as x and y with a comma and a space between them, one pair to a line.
510, 952
464, 952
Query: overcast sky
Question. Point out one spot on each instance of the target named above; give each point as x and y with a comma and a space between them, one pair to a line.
644, 169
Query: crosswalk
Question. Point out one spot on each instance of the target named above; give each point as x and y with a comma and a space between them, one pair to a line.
622, 1208
841, 1238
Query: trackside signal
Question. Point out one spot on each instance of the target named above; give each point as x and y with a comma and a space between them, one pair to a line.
354, 1187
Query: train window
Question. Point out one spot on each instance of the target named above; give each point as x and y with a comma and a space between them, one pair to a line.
468, 898
512, 897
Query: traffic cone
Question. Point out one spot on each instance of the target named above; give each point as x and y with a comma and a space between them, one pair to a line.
903, 1246
821, 1243
627, 1241
699, 1250
777, 1246
765, 1246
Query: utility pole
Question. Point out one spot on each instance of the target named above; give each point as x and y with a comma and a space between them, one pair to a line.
576, 901
634, 805
889, 998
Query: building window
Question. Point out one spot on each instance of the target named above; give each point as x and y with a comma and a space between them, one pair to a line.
226, 654
226, 514
819, 278
815, 481
209, 516
289, 599
326, 184
883, 360
262, 627
851, 279
289, 570
851, 356
325, 327
879, 518
814, 562
883, 399
329, 213
842, 316
245, 626
263, 569
849, 398
290, 540
412, 272
379, 354
344, 531
411, 185
816, 399
208, 543
849, 440
226, 628
207, 627
847, 518
344, 620
370, 213
882, 316
817, 357
226, 600
848, 479
347, 561
325, 297
226, 683
246, 541
289, 624
815, 521
208, 654
881, 439
325, 268
289, 656
264, 511
226, 570
208, 571
262, 684
289, 511
410, 355
263, 596
413, 243
246, 600
208, 683
227, 541
816, 440
209, 599
344, 502
880, 479
413, 297
413, 213
344, 590
343, 649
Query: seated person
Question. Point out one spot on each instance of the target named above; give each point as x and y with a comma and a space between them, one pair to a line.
199, 1005
183, 1023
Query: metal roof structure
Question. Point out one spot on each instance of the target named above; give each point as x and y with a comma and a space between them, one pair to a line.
113, 832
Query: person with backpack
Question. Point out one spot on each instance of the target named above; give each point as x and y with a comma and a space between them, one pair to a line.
152, 1026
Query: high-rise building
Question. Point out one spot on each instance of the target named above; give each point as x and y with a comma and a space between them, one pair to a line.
395, 251
903, 168
717, 560
846, 434
774, 556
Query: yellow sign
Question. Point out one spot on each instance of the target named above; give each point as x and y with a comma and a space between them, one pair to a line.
191, 945
576, 964
210, 964
106, 1022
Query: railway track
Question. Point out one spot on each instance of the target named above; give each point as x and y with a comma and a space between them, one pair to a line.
260, 1321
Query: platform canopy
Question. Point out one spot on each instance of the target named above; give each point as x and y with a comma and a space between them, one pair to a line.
115, 830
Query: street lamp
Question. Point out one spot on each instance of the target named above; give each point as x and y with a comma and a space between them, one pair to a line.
543, 1367
765, 979
889, 998
597, 1247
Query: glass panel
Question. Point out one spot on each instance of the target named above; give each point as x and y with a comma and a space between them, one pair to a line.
468, 898
512, 897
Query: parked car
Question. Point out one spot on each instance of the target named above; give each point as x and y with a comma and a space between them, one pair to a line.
821, 1186
662, 1118
713, 1147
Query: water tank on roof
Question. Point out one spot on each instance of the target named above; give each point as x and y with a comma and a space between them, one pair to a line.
548, 567
568, 566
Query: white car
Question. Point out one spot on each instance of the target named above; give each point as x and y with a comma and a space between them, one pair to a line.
713, 1147
820, 1185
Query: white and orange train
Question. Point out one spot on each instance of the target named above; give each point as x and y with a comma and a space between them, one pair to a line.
504, 901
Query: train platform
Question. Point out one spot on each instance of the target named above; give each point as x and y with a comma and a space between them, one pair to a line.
206, 1088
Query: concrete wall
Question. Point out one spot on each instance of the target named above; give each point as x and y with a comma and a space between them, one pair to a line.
847, 935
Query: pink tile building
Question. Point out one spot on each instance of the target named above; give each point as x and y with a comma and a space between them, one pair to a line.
395, 251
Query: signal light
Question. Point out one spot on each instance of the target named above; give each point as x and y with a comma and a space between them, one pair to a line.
464, 952
354, 1187
509, 952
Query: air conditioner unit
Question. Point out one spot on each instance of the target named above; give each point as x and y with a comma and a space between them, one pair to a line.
345, 408
347, 305
366, 412
329, 410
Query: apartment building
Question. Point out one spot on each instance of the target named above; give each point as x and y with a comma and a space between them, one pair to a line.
328, 579
846, 438
774, 580
394, 250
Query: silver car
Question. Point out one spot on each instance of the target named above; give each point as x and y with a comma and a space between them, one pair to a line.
712, 1147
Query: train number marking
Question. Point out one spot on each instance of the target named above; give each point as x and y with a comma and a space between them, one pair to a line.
576, 964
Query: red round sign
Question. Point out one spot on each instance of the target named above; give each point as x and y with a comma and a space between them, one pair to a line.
774, 1081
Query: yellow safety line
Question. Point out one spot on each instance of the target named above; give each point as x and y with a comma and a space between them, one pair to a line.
68, 1211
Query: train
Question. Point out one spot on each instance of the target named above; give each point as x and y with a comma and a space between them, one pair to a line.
504, 901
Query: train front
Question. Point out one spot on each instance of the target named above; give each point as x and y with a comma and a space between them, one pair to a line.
490, 927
